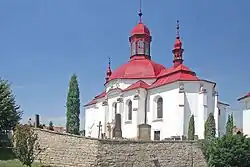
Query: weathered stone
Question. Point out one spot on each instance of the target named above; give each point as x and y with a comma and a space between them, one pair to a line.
144, 132
76, 151
118, 128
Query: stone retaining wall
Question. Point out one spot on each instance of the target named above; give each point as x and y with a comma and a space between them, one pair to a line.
75, 151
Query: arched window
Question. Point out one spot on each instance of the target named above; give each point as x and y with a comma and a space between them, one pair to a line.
133, 48
159, 107
140, 46
147, 49
130, 110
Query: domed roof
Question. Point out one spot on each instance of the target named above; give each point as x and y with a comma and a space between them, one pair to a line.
137, 68
140, 28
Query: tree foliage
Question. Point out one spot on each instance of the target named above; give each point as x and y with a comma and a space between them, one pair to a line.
73, 107
51, 127
10, 113
26, 145
227, 151
191, 128
230, 125
209, 131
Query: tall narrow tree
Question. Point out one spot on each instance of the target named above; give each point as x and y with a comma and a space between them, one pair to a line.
73, 107
209, 131
191, 128
230, 125
10, 113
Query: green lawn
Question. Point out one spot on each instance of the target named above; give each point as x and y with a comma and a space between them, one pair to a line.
8, 159
12, 163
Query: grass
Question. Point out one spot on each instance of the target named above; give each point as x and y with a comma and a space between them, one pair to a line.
13, 163
8, 159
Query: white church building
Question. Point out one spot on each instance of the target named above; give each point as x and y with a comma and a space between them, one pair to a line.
145, 92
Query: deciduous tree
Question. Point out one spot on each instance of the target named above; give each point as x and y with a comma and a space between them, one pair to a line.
73, 107
26, 147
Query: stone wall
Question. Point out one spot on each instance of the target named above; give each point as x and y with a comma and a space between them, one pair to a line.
75, 151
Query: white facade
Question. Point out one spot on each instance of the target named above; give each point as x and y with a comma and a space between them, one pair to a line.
246, 115
180, 100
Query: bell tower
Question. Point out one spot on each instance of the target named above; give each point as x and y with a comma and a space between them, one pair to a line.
140, 39
178, 50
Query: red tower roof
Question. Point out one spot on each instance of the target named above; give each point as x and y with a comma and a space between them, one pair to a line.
244, 97
140, 29
137, 68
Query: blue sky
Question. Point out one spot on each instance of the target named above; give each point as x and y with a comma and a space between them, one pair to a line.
43, 42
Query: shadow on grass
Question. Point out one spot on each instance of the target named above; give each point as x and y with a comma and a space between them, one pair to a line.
7, 154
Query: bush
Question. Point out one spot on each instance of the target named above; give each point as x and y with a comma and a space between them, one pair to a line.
25, 144
227, 151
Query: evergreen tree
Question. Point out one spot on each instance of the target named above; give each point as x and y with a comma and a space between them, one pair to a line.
73, 107
51, 127
191, 128
10, 113
230, 125
209, 131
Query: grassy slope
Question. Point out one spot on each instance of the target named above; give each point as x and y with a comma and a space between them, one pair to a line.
8, 159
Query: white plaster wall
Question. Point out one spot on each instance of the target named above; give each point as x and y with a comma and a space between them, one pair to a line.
168, 126
191, 106
238, 118
222, 119
246, 122
246, 115
91, 121
198, 104
175, 118
129, 128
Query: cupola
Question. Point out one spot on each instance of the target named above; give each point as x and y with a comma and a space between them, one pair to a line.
140, 39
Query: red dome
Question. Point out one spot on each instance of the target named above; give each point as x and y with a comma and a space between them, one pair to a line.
140, 28
137, 68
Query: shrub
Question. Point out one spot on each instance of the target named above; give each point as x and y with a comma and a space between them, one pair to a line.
191, 128
26, 147
227, 151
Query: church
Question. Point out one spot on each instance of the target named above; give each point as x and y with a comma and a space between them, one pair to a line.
143, 93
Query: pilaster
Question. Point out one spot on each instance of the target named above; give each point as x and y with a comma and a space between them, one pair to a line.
136, 107
216, 113
106, 116
202, 111
180, 114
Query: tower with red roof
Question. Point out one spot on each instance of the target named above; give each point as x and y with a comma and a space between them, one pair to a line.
142, 91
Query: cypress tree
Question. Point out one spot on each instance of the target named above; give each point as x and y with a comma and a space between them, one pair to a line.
191, 128
209, 131
73, 107
10, 113
230, 124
